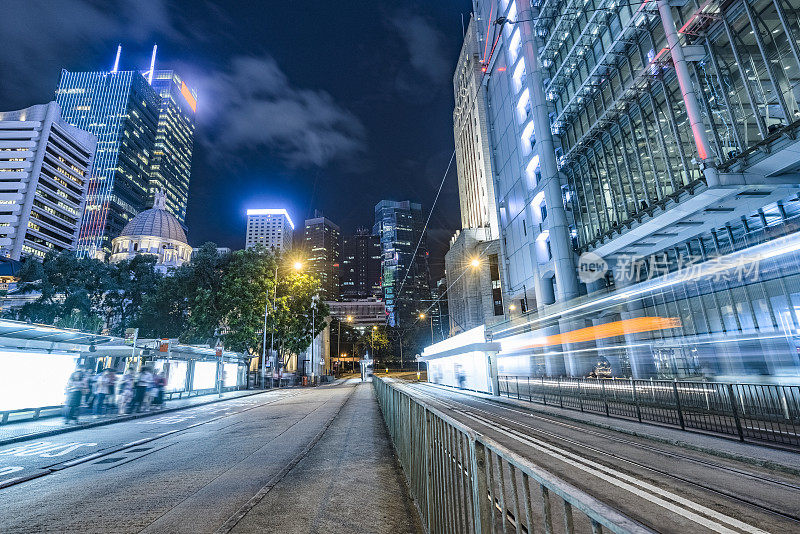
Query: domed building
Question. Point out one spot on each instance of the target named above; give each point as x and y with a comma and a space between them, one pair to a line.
156, 232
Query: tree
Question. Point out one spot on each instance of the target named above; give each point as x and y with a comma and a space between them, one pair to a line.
291, 319
375, 340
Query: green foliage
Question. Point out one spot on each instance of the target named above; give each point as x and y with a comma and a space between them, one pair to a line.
215, 296
374, 340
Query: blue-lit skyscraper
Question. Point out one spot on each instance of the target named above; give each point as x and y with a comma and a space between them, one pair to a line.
122, 110
172, 158
405, 275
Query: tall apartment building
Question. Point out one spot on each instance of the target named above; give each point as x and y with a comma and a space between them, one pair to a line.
323, 245
473, 149
475, 294
360, 271
271, 228
45, 167
647, 134
122, 110
171, 163
405, 277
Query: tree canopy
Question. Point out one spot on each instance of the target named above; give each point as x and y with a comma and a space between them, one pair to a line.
213, 297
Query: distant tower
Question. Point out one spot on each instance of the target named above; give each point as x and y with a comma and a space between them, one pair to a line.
271, 228
323, 244
405, 272
122, 110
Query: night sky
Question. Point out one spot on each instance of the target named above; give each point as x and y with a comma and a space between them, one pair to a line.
302, 104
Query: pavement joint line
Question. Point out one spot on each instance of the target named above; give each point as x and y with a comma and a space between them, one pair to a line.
232, 521
503, 402
107, 452
130, 417
652, 493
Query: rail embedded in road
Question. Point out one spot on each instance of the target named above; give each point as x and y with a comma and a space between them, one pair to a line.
464, 481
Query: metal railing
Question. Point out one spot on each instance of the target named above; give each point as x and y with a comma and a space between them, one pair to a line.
750, 412
31, 414
462, 481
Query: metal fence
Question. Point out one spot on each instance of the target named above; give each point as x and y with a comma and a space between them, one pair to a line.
462, 481
751, 412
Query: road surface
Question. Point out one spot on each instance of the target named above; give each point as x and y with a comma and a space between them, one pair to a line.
296, 460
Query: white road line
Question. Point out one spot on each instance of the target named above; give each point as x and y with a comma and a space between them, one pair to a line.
618, 478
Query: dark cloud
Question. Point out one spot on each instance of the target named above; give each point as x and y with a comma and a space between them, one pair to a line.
257, 107
424, 44
43, 30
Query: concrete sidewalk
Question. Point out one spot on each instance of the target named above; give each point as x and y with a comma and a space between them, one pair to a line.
350, 482
37, 428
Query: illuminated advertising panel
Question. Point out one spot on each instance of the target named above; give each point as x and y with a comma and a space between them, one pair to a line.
33, 380
231, 374
176, 377
205, 375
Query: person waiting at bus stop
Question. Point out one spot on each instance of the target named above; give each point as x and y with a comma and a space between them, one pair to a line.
76, 387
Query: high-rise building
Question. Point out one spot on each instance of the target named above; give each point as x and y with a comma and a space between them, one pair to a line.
45, 166
121, 109
647, 139
171, 163
474, 296
270, 228
405, 278
360, 271
323, 244
473, 149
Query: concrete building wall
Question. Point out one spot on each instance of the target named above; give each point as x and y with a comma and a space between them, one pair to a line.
45, 166
271, 228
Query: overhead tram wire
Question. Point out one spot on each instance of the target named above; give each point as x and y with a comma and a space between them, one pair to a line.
496, 34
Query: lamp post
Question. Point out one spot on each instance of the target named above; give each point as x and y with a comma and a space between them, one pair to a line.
422, 318
297, 267
314, 300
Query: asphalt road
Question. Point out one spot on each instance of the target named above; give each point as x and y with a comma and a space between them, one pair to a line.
299, 460
666, 487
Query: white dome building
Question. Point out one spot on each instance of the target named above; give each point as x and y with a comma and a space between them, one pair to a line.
156, 232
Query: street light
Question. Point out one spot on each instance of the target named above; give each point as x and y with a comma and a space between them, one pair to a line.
422, 317
297, 267
475, 262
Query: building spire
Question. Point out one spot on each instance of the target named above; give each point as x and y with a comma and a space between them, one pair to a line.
116, 61
152, 65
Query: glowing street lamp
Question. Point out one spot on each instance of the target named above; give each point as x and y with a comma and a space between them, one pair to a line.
298, 266
475, 262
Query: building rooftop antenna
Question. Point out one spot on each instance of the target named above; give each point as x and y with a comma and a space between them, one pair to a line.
116, 61
152, 65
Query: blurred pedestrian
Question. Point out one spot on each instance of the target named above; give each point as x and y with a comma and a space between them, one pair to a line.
160, 383
76, 387
124, 392
103, 388
143, 383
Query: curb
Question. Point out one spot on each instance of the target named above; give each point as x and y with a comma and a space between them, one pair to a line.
130, 417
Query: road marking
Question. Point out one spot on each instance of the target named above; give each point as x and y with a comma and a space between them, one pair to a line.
10, 469
617, 478
45, 449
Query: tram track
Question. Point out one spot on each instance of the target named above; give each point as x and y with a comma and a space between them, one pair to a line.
490, 419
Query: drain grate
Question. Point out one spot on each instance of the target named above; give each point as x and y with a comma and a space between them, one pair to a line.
110, 460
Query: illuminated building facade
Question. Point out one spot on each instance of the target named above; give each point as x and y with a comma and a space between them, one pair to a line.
171, 163
405, 277
45, 165
322, 246
121, 109
271, 228
360, 272
650, 137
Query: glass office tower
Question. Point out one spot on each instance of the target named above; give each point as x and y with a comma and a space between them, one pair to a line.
657, 139
122, 110
405, 272
172, 157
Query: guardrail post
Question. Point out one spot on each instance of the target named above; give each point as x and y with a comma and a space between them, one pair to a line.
544, 393
678, 403
636, 400
735, 410
603, 389
580, 394
480, 488
560, 397
428, 469
516, 379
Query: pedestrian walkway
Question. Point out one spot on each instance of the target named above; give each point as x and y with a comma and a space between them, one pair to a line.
350, 482
31, 429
